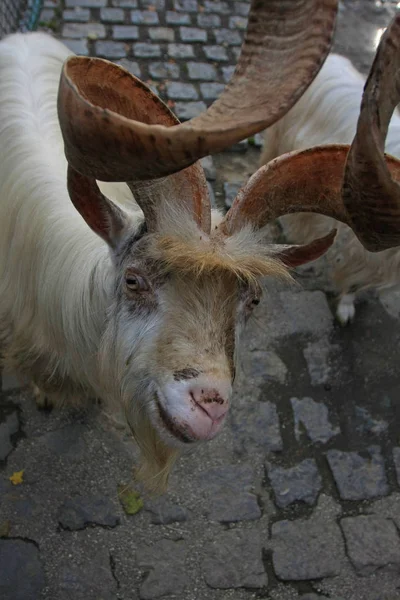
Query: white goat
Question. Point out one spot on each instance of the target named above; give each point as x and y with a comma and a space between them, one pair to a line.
327, 113
143, 308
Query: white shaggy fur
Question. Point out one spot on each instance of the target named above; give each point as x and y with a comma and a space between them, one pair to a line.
327, 114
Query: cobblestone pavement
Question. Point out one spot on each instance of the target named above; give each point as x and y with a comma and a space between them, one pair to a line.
300, 495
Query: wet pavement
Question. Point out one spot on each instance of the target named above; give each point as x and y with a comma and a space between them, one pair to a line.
299, 497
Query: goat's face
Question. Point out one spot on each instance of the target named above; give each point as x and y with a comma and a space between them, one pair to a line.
171, 341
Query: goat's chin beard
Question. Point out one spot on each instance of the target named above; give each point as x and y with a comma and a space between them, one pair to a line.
159, 449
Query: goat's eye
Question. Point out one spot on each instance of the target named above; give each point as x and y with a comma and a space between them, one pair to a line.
255, 301
136, 283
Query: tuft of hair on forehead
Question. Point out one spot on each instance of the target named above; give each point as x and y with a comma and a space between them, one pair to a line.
243, 254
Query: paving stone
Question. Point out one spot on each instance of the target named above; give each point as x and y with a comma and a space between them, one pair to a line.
211, 91
237, 23
209, 169
301, 483
396, 459
317, 358
365, 423
211, 193
186, 6
124, 3
256, 427
78, 14
234, 560
144, 50
144, 17
112, 15
181, 91
161, 34
131, 66
296, 308
81, 511
307, 549
217, 53
175, 18
193, 34
166, 562
227, 73
356, 477
262, 366
9, 380
201, 71
372, 542
67, 442
79, 47
21, 572
180, 51
390, 300
125, 32
91, 578
227, 36
164, 70
242, 8
164, 513
231, 190
7, 428
314, 418
84, 30
189, 110
208, 20
154, 4
228, 490
110, 49
85, 3
216, 7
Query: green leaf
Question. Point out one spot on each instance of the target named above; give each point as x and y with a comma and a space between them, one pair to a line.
130, 499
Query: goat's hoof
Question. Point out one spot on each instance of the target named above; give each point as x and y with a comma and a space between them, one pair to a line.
43, 402
346, 310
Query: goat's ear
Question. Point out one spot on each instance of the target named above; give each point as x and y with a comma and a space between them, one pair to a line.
294, 256
103, 216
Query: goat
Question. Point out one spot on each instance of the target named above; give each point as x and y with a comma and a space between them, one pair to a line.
327, 113
116, 279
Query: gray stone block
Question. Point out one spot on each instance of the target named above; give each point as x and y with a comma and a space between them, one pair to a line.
256, 427
227, 73
209, 169
110, 49
77, 15
165, 562
356, 477
176, 18
208, 21
201, 71
144, 17
301, 483
125, 32
217, 53
154, 4
242, 8
317, 358
234, 560
84, 30
131, 66
161, 34
21, 571
125, 3
180, 51
228, 37
165, 513
81, 511
372, 542
231, 190
216, 7
112, 15
186, 6
164, 70
85, 3
211, 91
237, 23
192, 34
8, 427
181, 91
314, 418
144, 50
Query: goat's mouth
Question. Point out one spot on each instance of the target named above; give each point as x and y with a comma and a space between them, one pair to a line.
170, 426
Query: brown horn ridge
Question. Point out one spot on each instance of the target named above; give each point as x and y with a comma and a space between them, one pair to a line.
354, 184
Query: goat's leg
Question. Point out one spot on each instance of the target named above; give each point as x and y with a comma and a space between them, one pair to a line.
346, 310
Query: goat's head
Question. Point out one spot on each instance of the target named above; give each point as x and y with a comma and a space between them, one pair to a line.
184, 286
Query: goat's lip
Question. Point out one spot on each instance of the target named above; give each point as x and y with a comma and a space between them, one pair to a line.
170, 425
